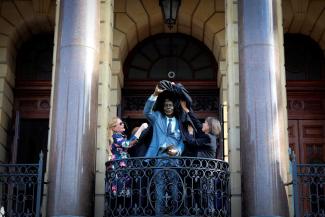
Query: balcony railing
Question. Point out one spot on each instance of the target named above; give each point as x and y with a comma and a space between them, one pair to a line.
20, 189
167, 187
309, 189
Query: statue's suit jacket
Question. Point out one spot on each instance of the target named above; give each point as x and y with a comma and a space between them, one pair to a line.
160, 138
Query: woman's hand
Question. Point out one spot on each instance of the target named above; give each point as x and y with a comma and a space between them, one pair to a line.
190, 129
140, 129
143, 126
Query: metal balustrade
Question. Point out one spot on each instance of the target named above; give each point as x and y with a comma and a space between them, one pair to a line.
20, 189
309, 189
174, 186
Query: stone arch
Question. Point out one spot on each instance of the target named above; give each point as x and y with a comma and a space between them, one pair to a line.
305, 17
19, 20
135, 20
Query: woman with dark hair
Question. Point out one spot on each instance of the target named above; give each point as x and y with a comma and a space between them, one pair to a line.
201, 142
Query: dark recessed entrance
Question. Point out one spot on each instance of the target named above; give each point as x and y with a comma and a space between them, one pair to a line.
174, 57
32, 99
305, 73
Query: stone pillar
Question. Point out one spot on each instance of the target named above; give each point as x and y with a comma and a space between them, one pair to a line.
104, 99
231, 121
261, 110
74, 110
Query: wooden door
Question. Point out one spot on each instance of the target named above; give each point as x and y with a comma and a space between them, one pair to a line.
312, 141
306, 120
31, 121
32, 93
307, 140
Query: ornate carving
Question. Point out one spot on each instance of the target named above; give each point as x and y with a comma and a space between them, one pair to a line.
297, 105
306, 106
33, 108
306, 100
32, 98
44, 104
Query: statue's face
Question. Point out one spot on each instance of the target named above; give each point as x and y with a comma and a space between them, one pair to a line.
169, 108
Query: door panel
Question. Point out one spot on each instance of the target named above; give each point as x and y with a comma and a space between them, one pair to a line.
32, 103
312, 140
307, 140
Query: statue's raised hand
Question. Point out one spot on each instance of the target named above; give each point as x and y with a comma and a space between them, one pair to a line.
158, 90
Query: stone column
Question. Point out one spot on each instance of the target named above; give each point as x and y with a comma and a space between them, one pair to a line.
231, 89
261, 110
74, 110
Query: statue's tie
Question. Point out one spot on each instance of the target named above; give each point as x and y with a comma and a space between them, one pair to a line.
169, 126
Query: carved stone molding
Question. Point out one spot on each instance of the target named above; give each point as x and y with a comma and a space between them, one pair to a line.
32, 98
307, 106
33, 107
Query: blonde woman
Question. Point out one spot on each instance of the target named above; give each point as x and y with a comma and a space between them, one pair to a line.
119, 142
119, 148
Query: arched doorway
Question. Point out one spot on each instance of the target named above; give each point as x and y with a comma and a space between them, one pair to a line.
32, 99
175, 57
305, 74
